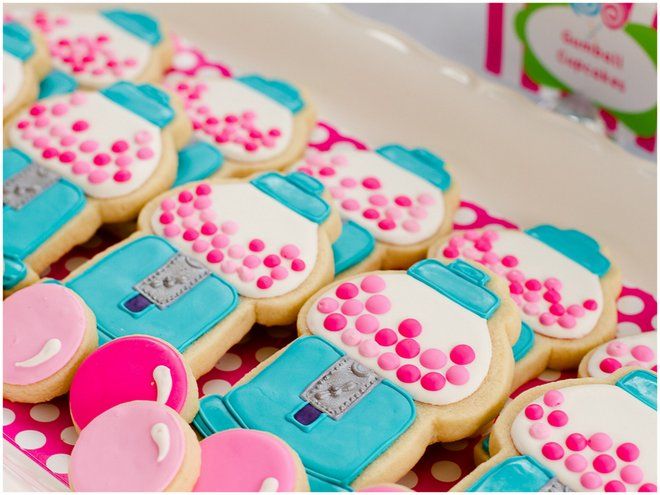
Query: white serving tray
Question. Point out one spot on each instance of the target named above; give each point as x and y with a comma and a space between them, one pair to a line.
515, 158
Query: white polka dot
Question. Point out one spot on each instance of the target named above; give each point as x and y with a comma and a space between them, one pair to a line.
58, 463
343, 147
208, 72
550, 376
73, 263
654, 322
625, 328
319, 135
220, 387
45, 413
184, 61
630, 305
229, 362
446, 471
465, 216
30, 439
69, 435
8, 416
456, 446
410, 480
264, 353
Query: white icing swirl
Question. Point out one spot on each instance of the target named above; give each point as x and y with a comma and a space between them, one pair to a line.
163, 378
160, 434
50, 349
269, 485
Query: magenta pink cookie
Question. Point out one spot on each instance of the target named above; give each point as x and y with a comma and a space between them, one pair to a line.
249, 461
139, 446
48, 331
132, 368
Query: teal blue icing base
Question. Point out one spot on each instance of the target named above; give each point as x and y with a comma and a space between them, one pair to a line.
354, 245
107, 284
17, 41
197, 161
459, 281
280, 91
26, 229
138, 24
296, 192
14, 271
515, 474
524, 343
575, 245
420, 162
57, 83
643, 385
334, 452
145, 100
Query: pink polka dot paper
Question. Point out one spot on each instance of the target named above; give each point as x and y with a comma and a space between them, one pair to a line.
45, 434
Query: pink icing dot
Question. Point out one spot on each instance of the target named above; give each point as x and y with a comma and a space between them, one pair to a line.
42, 121
366, 324
202, 202
377, 200
351, 337
171, 230
408, 373
59, 109
68, 141
576, 442
632, 475
433, 359
539, 431
426, 199
215, 256
145, 153
347, 290
533, 284
123, 161
643, 353
410, 327
552, 296
553, 398
403, 201
615, 486
236, 251
552, 451
264, 282
386, 337
298, 265
334, 322
350, 205
547, 319
203, 189
591, 480
609, 365
388, 361
251, 261
386, 224
119, 146
462, 354
575, 310
604, 463
457, 375
50, 153
339, 160
557, 418
450, 252
534, 412
553, 283
371, 183
590, 305
67, 156
245, 274
37, 110
576, 463
78, 98
327, 305
433, 382
627, 452
648, 487
122, 176
370, 214
616, 348
101, 159
166, 218
566, 321
98, 176
257, 245
142, 137
516, 288
209, 228
368, 348
290, 251
229, 227
220, 241
378, 304
200, 246
407, 348
515, 276
557, 309
185, 210
348, 182
531, 309
531, 296
372, 284
81, 168
352, 307
190, 234
600, 442
272, 260
228, 266
80, 126
510, 261
411, 226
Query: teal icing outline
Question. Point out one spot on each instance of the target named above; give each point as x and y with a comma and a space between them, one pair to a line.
145, 100
418, 161
57, 83
485, 444
17, 40
14, 271
515, 474
354, 245
197, 161
524, 343
279, 91
138, 24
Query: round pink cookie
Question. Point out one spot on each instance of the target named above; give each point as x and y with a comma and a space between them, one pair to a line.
246, 461
44, 326
136, 446
130, 368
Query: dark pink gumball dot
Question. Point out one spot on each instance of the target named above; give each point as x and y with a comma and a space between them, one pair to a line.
433, 381
450, 252
347, 290
462, 354
166, 218
49, 153
533, 284
371, 183
370, 214
334, 322
552, 296
386, 337
203, 189
403, 201
609, 365
37, 110
557, 309
79, 126
516, 288
534, 412
510, 261
387, 224
576, 442
407, 348
190, 234
209, 228
557, 418
483, 245
215, 256
272, 260
122, 176
256, 245
67, 157
604, 463
185, 197
552, 451
590, 305
264, 282
101, 159
410, 328
408, 373
119, 146
298, 265
648, 487
627, 452
615, 486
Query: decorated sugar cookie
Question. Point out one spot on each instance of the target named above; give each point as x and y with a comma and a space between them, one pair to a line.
258, 124
249, 461
138, 446
204, 267
405, 198
25, 62
101, 48
80, 160
562, 282
132, 368
634, 350
575, 435
48, 331
386, 363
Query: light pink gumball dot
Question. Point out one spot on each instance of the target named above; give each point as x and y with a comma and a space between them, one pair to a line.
351, 337
457, 375
389, 361
372, 284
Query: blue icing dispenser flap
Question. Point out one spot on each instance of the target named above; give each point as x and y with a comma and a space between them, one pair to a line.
57, 83
282, 92
14, 271
196, 162
138, 24
459, 281
516, 474
643, 385
296, 191
524, 343
145, 100
420, 162
353, 245
575, 245
17, 41
13, 160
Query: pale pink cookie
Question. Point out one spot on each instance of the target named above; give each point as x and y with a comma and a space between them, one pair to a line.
132, 368
140, 446
249, 461
634, 350
48, 331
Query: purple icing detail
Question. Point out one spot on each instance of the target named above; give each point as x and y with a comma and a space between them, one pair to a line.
307, 415
137, 303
